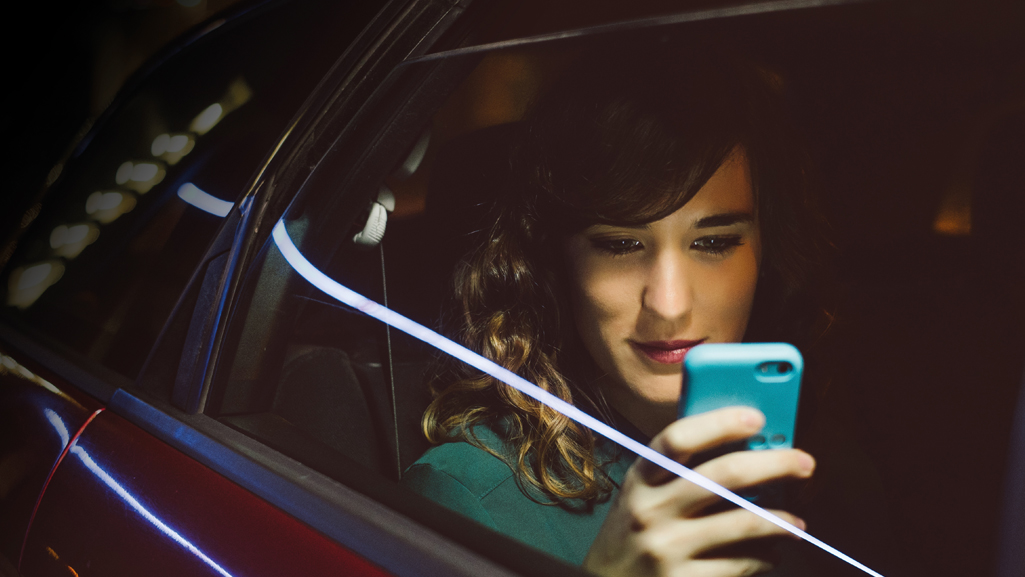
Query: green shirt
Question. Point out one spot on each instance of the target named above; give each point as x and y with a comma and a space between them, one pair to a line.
481, 486
472, 481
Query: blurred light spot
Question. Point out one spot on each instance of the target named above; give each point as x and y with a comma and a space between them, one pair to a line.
102, 201
238, 93
172, 147
207, 119
30, 215
63, 235
10, 365
177, 142
140, 176
160, 144
34, 275
954, 215
124, 172
106, 207
54, 173
144, 171
202, 200
70, 241
27, 283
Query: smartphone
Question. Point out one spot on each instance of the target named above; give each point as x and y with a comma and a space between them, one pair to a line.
766, 376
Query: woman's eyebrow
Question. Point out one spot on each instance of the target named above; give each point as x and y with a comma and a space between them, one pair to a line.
724, 219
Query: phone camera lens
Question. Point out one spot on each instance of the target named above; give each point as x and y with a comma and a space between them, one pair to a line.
785, 368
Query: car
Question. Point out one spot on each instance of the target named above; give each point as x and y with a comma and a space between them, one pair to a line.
194, 374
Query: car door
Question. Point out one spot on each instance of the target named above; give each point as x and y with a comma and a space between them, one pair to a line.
97, 268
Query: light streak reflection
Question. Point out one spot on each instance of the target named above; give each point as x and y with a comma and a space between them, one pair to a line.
203, 200
134, 503
59, 426
359, 302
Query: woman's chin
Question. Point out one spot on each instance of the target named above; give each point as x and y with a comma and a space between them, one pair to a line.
663, 390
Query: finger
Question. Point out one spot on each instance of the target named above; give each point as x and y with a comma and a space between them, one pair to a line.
736, 471
732, 567
712, 535
733, 534
690, 435
748, 468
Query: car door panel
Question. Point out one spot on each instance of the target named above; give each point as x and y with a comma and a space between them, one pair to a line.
123, 502
37, 421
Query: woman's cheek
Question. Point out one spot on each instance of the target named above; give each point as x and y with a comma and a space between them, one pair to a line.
602, 307
734, 296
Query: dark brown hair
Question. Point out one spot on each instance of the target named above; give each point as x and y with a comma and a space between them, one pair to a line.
624, 137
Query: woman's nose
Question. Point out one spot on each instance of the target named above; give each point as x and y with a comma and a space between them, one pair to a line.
667, 293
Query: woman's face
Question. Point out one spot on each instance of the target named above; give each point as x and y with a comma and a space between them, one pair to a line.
643, 296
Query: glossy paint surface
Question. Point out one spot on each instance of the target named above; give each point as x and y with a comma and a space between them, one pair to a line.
124, 503
38, 417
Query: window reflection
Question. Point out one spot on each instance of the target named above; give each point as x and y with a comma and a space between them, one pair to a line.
27, 283
204, 201
171, 148
69, 241
146, 514
139, 176
238, 93
205, 117
106, 207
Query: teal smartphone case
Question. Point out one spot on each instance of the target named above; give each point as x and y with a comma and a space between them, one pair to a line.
766, 376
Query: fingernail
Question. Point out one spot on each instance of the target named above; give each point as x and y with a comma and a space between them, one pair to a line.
806, 462
800, 524
752, 418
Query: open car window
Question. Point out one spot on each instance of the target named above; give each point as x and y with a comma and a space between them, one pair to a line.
912, 129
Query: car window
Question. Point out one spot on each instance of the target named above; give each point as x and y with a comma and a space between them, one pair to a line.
910, 130
121, 232
513, 22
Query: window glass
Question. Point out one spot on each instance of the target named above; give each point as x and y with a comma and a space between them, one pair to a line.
121, 233
908, 133
514, 21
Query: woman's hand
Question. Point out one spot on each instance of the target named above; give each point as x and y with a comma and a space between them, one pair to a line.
658, 524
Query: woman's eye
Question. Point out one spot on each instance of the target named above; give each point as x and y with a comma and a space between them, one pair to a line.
717, 245
617, 246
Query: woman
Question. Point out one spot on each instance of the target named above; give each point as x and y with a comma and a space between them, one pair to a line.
656, 203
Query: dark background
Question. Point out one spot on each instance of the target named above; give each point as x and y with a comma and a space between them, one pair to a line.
65, 62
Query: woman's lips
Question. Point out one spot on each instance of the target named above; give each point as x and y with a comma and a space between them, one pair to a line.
666, 352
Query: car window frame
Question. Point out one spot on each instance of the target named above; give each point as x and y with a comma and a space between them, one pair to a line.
382, 127
350, 517
92, 376
346, 98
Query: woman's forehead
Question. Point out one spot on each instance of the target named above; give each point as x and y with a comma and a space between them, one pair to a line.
726, 199
729, 190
